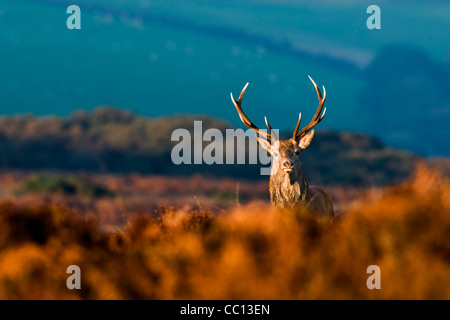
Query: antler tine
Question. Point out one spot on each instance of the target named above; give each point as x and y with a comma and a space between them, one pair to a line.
297, 126
270, 129
245, 120
317, 116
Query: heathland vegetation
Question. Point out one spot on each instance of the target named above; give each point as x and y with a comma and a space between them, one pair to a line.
98, 190
247, 252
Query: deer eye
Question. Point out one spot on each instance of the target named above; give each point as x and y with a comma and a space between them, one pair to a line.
297, 152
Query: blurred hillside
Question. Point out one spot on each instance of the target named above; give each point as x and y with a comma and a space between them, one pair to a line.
111, 140
163, 57
406, 99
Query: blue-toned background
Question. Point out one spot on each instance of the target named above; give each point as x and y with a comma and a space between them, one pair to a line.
159, 57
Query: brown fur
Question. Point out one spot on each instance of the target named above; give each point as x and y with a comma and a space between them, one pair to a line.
290, 190
288, 184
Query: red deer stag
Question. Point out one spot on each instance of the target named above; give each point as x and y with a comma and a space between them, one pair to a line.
288, 184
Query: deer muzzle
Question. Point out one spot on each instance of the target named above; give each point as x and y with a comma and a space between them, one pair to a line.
287, 166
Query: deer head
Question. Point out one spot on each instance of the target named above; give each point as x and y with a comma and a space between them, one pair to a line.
285, 153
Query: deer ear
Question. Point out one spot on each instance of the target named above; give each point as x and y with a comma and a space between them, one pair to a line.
264, 144
306, 139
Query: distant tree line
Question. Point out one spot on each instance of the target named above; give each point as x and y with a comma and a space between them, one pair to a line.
118, 141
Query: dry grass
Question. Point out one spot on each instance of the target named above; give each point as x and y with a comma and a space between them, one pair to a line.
250, 252
139, 194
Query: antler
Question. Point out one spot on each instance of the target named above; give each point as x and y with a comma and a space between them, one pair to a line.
316, 119
245, 120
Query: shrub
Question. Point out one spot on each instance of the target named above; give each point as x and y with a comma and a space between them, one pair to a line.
251, 252
61, 184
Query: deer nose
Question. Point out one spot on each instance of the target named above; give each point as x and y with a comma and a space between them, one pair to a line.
288, 164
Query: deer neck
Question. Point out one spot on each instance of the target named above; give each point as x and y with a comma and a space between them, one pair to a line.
288, 190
